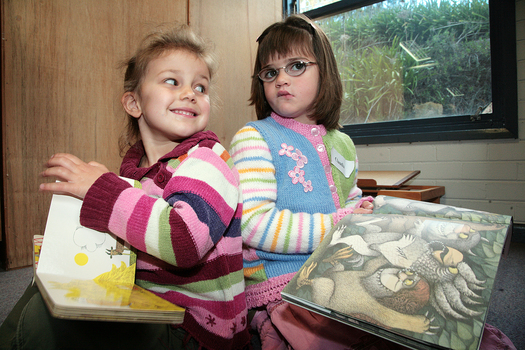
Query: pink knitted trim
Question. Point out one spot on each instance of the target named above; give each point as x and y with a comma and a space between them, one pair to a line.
341, 213
261, 294
301, 128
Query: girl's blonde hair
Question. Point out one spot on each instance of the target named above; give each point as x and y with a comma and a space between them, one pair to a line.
298, 35
162, 40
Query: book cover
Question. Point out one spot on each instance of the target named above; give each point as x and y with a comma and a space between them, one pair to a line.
37, 247
417, 273
90, 275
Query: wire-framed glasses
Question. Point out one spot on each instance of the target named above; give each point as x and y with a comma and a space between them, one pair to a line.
293, 69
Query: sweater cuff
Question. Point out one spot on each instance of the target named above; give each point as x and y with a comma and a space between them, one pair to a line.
99, 201
341, 213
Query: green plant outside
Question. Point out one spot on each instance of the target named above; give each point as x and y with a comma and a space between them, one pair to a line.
447, 72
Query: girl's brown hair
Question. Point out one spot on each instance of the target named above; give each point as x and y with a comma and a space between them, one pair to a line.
159, 42
298, 35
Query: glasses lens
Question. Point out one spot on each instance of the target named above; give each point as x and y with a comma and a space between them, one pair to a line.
268, 74
295, 68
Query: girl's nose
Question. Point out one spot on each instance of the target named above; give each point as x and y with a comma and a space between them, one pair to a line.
282, 78
187, 92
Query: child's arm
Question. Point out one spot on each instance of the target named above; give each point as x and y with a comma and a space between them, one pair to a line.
76, 176
263, 225
197, 206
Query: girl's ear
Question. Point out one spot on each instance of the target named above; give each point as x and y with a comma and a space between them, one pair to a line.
131, 104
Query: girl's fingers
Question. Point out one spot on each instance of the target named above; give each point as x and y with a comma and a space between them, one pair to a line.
65, 160
64, 188
76, 176
367, 205
68, 156
363, 211
57, 187
59, 172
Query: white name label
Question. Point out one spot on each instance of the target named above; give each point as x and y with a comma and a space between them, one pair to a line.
344, 166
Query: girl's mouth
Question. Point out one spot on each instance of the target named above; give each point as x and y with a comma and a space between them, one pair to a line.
184, 112
283, 93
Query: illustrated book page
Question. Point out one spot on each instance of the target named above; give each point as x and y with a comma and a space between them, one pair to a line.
417, 273
87, 274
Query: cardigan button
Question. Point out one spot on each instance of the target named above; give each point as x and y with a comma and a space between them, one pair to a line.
333, 188
315, 131
327, 169
160, 178
320, 148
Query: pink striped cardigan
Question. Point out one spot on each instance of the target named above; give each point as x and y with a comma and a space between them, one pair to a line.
184, 219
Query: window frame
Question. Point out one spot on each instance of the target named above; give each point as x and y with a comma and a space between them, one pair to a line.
502, 123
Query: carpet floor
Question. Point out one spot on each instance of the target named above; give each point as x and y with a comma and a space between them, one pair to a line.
506, 310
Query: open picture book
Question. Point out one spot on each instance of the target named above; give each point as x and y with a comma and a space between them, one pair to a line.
90, 275
417, 273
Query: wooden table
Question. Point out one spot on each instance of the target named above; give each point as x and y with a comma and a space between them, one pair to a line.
392, 183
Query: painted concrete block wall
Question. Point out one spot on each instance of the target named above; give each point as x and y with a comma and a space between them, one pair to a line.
482, 175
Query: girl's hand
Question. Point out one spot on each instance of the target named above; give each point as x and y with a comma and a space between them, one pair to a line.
363, 211
367, 205
75, 175
366, 208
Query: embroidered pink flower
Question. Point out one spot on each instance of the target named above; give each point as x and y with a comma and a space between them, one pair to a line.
297, 175
286, 150
299, 158
308, 186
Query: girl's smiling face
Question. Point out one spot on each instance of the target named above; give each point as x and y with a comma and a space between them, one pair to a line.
173, 102
292, 97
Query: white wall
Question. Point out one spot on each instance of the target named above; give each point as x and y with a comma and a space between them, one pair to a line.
483, 175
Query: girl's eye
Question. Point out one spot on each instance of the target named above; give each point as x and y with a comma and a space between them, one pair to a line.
200, 88
270, 73
297, 66
172, 81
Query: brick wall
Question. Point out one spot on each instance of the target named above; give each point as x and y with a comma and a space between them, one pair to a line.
483, 175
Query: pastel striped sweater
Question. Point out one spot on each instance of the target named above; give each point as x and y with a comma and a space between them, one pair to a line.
292, 196
184, 219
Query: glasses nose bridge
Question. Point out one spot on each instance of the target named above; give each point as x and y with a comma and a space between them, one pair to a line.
281, 69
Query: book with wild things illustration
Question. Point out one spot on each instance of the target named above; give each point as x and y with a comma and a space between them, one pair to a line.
417, 273
90, 275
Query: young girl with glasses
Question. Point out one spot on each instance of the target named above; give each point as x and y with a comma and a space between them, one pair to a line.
183, 215
298, 174
298, 178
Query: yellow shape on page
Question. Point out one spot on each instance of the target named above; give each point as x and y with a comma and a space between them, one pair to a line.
115, 288
112, 288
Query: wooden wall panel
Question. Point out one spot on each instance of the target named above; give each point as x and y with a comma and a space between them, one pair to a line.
60, 93
61, 88
234, 30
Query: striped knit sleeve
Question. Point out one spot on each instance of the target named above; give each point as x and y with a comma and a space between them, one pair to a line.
181, 227
263, 226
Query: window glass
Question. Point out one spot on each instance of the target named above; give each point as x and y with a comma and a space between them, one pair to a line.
307, 5
411, 59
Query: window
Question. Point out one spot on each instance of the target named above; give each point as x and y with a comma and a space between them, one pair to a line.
422, 70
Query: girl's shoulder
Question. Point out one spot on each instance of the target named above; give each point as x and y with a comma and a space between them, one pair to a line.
201, 139
247, 132
338, 136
